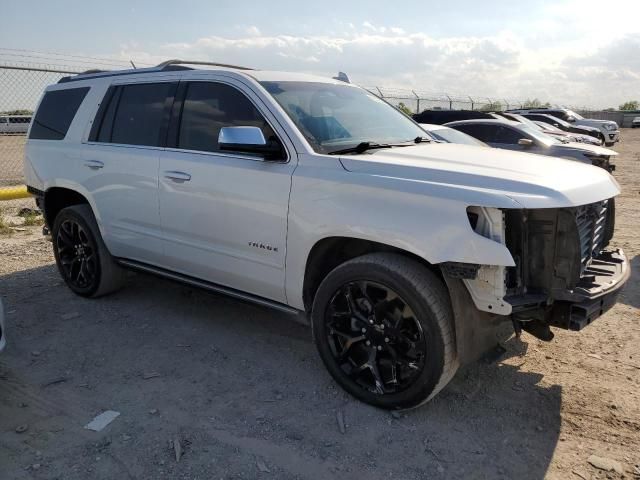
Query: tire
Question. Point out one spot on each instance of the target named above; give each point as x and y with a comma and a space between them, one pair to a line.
82, 258
410, 330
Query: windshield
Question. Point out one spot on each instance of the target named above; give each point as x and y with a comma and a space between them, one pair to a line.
575, 115
537, 134
450, 135
548, 127
335, 117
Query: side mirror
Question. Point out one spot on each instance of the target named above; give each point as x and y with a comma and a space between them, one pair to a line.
525, 142
571, 119
249, 140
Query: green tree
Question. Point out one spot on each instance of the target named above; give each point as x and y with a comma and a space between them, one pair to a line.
18, 112
630, 105
404, 109
535, 103
491, 107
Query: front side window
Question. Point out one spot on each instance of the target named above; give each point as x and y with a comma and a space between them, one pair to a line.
209, 106
333, 117
483, 132
508, 136
56, 112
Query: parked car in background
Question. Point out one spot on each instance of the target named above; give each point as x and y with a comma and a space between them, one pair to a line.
608, 128
545, 128
566, 126
14, 124
635, 123
3, 339
572, 137
440, 117
314, 197
451, 135
512, 135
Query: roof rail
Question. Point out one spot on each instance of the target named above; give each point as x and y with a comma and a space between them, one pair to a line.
162, 67
168, 63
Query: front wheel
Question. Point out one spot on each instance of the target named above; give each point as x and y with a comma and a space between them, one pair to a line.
383, 326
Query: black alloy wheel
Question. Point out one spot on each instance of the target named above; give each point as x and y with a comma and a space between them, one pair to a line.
375, 337
77, 254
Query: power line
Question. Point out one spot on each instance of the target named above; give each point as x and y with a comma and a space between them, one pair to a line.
40, 53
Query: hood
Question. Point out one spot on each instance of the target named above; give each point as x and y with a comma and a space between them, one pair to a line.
588, 149
594, 122
488, 177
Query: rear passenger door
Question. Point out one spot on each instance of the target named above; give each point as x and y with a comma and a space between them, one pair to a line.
224, 214
121, 167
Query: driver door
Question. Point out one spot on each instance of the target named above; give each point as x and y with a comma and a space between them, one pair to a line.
224, 214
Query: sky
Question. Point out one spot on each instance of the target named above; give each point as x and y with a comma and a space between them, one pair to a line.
572, 52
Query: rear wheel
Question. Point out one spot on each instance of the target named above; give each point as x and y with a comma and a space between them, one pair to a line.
82, 258
384, 328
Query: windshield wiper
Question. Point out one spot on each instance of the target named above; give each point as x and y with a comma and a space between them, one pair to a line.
364, 146
361, 148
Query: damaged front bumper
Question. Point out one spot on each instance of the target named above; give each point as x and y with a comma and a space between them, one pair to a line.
595, 293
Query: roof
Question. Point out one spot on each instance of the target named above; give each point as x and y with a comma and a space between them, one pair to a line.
430, 127
487, 122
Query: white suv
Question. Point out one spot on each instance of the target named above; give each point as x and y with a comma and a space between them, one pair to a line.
609, 129
312, 195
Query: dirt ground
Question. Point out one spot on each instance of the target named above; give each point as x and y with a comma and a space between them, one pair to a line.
243, 393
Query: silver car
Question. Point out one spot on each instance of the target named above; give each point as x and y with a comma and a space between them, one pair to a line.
522, 137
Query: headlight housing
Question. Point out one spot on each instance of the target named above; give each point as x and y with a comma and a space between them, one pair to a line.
611, 126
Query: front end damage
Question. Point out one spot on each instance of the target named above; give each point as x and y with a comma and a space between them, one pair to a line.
564, 275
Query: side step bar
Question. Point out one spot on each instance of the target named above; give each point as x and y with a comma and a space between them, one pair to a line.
212, 287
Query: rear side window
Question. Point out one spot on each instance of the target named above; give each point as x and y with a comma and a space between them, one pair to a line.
210, 106
56, 112
135, 114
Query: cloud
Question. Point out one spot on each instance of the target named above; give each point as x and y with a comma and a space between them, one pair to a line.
252, 31
504, 65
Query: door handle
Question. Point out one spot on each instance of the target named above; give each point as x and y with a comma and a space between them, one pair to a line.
178, 177
94, 164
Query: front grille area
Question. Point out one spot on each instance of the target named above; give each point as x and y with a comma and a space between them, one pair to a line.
593, 231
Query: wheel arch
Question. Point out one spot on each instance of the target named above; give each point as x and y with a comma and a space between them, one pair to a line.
57, 198
329, 252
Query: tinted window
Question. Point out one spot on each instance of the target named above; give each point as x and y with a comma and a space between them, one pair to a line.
56, 113
138, 117
508, 136
485, 133
450, 135
210, 106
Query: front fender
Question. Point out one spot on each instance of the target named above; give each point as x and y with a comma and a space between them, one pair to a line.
434, 229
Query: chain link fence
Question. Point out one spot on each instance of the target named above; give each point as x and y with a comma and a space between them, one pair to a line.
20, 90
416, 101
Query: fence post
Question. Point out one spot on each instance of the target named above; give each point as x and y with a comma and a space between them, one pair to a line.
450, 101
472, 103
417, 101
